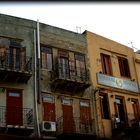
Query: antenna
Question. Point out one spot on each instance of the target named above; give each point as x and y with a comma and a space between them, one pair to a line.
78, 29
133, 46
131, 43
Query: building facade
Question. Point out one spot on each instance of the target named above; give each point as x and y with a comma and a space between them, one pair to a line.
55, 83
115, 80
65, 99
16, 76
47, 94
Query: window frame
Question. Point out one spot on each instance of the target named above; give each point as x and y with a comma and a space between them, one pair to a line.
46, 53
124, 67
81, 61
104, 95
106, 60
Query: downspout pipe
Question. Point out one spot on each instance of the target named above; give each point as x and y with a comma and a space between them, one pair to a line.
94, 91
38, 50
36, 120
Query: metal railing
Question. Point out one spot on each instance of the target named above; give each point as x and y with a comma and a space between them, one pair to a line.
131, 121
75, 126
26, 116
68, 72
15, 62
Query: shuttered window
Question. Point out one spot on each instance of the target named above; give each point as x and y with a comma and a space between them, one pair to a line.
46, 58
63, 64
80, 67
106, 64
124, 67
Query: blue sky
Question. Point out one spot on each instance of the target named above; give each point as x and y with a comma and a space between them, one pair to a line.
117, 21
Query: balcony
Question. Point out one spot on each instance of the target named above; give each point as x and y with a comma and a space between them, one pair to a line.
70, 79
16, 117
130, 127
75, 127
15, 68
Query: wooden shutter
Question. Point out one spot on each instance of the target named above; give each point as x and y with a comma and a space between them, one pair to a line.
80, 66
46, 58
136, 109
106, 64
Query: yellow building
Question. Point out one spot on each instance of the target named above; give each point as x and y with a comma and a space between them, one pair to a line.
115, 84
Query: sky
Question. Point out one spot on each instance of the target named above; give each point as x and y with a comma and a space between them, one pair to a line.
117, 21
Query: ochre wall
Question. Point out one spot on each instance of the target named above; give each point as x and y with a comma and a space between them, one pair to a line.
96, 45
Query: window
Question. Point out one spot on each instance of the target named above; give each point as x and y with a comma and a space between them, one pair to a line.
124, 67
16, 55
46, 60
80, 67
104, 106
106, 64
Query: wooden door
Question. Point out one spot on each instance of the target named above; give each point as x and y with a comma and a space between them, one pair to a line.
136, 111
49, 108
68, 121
85, 114
14, 108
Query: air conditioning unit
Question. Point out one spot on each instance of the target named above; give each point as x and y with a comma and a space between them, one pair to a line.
48, 126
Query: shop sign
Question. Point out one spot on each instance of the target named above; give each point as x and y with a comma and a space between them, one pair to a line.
117, 82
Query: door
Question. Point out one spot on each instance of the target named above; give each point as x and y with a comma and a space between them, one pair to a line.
68, 121
120, 112
14, 108
49, 108
85, 116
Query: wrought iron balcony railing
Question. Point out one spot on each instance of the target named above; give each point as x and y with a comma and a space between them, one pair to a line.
15, 62
75, 126
68, 72
132, 121
16, 117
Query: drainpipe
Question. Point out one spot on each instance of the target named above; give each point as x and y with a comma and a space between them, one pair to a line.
37, 128
94, 91
38, 48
